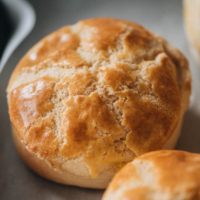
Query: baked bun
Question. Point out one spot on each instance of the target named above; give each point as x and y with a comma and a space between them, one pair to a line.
159, 175
90, 97
192, 25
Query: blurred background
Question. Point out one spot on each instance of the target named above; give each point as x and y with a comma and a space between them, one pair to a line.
6, 27
23, 23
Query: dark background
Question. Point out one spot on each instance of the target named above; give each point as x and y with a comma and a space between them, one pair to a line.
6, 27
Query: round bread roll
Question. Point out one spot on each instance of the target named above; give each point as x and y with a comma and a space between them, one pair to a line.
158, 175
90, 97
192, 25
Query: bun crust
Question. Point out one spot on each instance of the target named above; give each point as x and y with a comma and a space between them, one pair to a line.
90, 97
192, 25
67, 177
164, 174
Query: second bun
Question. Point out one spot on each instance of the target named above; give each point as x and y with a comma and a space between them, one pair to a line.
192, 25
158, 175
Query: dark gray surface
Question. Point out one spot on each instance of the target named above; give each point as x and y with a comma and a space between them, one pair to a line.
162, 17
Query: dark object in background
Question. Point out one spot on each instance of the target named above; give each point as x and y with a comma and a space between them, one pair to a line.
5, 27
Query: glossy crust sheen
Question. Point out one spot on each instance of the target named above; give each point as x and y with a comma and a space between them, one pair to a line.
192, 25
98, 93
164, 174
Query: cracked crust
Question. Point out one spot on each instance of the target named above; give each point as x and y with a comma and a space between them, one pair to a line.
164, 174
100, 92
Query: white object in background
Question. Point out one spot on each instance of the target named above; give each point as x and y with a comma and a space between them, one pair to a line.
23, 16
191, 13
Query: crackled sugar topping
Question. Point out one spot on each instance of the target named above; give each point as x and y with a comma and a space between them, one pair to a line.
103, 90
158, 175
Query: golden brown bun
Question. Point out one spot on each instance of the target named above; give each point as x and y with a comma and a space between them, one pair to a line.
89, 98
159, 175
192, 25
43, 169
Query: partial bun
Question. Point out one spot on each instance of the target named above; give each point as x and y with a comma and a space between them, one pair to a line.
159, 175
192, 25
90, 97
